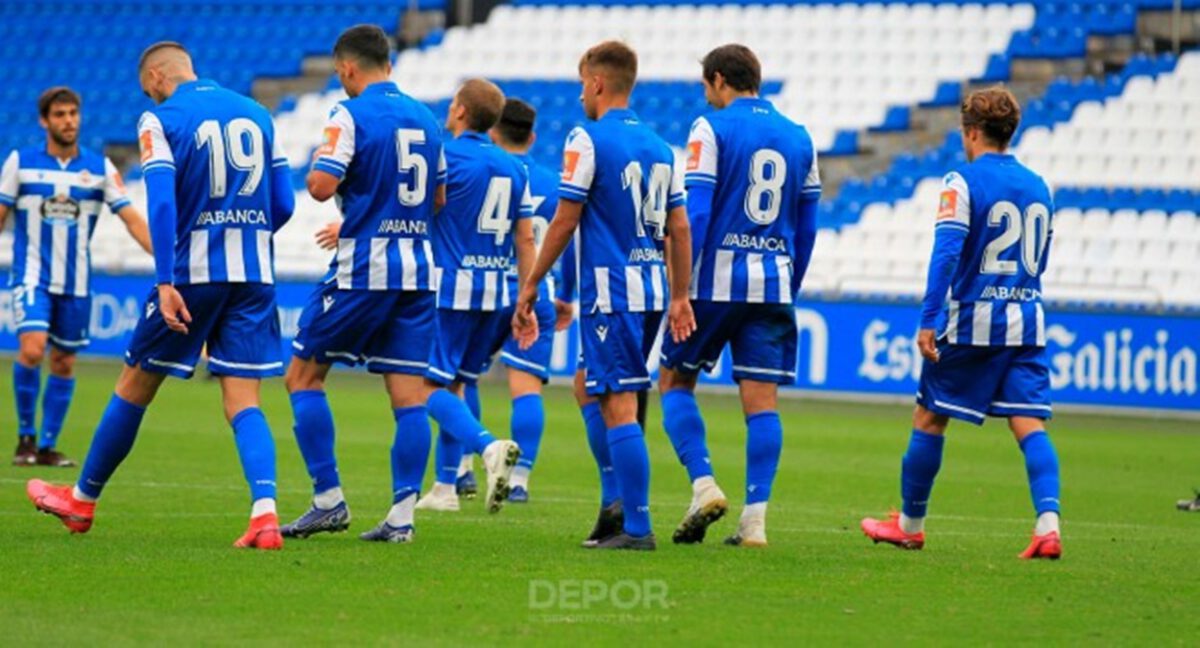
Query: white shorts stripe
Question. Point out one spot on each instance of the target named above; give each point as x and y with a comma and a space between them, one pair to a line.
764, 370
756, 278
242, 365
521, 361
441, 374
399, 363
1035, 406
958, 408
722, 276
235, 261
170, 365
198, 257
343, 354
66, 343
635, 290
1014, 334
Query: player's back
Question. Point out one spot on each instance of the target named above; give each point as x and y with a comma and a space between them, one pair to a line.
472, 236
543, 198
760, 165
386, 148
996, 290
221, 146
625, 173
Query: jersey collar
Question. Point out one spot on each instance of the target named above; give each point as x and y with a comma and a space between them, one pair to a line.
750, 102
622, 114
475, 136
380, 88
192, 86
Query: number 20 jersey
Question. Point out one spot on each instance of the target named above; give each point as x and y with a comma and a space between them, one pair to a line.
760, 165
1006, 212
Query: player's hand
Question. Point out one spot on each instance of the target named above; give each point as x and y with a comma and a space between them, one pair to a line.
172, 308
681, 320
564, 312
327, 237
927, 344
524, 323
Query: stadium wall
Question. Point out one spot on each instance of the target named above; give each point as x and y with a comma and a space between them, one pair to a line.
1115, 361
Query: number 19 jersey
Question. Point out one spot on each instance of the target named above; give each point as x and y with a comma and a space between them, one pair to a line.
760, 165
624, 174
996, 289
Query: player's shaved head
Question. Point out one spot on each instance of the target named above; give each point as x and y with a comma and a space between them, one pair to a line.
165, 55
613, 60
365, 44
737, 64
994, 111
483, 101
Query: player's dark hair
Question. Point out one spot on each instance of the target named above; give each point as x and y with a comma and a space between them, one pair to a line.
365, 43
995, 111
160, 45
616, 61
57, 95
484, 102
516, 122
736, 64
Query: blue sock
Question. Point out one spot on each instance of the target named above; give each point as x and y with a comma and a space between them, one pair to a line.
314, 435
455, 418
918, 468
256, 449
55, 402
764, 442
1041, 464
528, 421
110, 444
597, 436
26, 383
471, 397
685, 429
448, 455
631, 461
410, 451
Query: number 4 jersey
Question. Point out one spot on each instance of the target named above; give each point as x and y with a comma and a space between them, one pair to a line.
624, 174
1004, 210
221, 148
760, 165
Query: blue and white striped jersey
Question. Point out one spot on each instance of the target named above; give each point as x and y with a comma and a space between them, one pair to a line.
221, 147
1006, 212
760, 165
486, 192
57, 203
543, 192
624, 174
386, 148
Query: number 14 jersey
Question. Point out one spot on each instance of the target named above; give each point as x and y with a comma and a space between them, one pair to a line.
760, 165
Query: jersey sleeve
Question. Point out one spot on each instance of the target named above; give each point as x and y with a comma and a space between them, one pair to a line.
337, 143
152, 141
812, 181
525, 208
442, 173
9, 183
579, 166
278, 155
954, 207
114, 187
701, 154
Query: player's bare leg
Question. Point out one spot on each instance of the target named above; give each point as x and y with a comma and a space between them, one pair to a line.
313, 427
611, 517
26, 385
111, 443
59, 389
256, 451
907, 530
522, 385
709, 503
1041, 464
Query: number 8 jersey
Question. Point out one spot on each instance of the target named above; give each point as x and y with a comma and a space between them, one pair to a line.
1005, 211
766, 164
221, 148
624, 174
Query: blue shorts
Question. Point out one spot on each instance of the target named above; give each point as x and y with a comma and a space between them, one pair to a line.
761, 337
389, 331
535, 360
616, 347
463, 345
239, 323
971, 383
65, 318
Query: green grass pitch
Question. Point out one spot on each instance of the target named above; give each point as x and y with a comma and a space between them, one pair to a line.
157, 568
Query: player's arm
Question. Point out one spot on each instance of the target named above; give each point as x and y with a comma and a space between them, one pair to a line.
333, 157
564, 296
680, 318
558, 235
137, 227
950, 232
700, 180
805, 237
439, 193
9, 185
158, 165
283, 199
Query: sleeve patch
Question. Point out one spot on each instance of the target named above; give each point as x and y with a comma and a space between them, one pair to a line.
570, 162
329, 140
695, 149
147, 143
948, 206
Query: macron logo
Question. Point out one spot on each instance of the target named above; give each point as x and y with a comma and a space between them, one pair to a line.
326, 303
602, 333
149, 310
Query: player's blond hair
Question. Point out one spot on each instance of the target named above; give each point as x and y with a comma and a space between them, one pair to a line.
615, 61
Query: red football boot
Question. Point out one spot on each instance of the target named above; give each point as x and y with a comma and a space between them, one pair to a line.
262, 534
1044, 546
889, 531
60, 501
